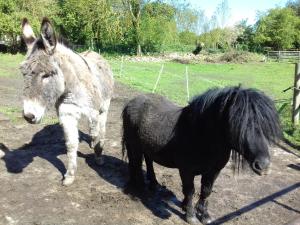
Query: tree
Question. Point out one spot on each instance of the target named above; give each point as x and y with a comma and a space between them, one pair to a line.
278, 29
158, 26
295, 5
187, 20
222, 13
134, 9
12, 12
245, 38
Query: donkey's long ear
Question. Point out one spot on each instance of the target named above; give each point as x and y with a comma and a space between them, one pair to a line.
48, 36
28, 34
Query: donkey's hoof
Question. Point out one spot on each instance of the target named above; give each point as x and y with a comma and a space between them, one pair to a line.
192, 220
99, 161
68, 180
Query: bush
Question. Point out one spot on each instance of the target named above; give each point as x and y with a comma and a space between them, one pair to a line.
240, 57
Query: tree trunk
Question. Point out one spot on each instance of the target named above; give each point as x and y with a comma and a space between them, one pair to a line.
138, 50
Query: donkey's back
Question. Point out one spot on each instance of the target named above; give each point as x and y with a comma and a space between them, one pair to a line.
102, 71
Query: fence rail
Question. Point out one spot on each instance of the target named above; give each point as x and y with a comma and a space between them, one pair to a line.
283, 55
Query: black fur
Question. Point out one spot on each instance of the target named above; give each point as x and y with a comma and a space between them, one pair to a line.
198, 139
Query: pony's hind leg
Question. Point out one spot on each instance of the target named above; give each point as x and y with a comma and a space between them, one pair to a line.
97, 132
150, 173
135, 162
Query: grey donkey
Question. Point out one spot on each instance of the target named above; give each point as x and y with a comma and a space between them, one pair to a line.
76, 84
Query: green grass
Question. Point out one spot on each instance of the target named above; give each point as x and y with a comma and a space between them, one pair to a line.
271, 77
15, 116
9, 64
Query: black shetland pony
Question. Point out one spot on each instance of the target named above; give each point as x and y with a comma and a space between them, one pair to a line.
198, 139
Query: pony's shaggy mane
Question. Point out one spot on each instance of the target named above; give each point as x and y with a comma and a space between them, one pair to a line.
248, 112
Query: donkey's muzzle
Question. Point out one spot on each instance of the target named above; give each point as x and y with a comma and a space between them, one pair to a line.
30, 118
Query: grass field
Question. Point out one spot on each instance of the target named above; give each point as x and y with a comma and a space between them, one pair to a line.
270, 77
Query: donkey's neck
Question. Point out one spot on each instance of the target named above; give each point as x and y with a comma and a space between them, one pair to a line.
74, 67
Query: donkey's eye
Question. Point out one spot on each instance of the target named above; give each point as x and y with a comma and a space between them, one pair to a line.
46, 76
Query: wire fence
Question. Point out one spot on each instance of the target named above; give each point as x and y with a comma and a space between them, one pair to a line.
180, 82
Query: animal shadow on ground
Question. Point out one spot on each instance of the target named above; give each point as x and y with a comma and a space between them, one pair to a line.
161, 202
47, 144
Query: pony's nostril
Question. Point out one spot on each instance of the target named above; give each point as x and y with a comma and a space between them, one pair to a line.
256, 166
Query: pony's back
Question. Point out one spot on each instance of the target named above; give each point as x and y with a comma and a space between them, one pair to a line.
150, 120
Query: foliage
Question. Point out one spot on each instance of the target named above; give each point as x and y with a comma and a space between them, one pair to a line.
157, 27
245, 38
12, 12
90, 21
142, 26
220, 38
279, 29
188, 37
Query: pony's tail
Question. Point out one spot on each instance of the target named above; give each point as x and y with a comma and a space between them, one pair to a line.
124, 155
123, 142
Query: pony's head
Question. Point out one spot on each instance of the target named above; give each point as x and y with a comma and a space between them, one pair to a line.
43, 78
242, 120
253, 126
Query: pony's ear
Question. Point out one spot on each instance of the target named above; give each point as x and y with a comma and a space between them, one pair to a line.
48, 36
28, 34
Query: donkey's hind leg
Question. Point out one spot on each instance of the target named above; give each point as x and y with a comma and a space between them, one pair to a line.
97, 132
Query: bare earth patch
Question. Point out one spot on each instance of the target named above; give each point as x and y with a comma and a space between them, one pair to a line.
33, 163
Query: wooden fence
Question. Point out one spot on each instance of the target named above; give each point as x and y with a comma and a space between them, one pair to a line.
284, 55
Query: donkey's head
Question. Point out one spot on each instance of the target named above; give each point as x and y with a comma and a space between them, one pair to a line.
43, 78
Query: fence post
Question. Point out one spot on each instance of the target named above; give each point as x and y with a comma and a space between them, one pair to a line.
121, 66
296, 97
157, 80
187, 83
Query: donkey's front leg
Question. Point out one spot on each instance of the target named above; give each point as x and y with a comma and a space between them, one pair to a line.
207, 182
69, 122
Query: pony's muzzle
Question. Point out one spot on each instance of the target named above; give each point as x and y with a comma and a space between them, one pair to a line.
260, 166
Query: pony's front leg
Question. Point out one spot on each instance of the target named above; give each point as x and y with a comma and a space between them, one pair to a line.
188, 190
207, 182
69, 121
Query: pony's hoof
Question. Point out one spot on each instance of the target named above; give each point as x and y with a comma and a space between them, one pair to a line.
99, 161
154, 187
68, 180
205, 219
192, 220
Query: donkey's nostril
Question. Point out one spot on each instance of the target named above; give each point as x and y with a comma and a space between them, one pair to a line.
29, 117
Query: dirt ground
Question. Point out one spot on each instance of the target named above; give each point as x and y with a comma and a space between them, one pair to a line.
33, 163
